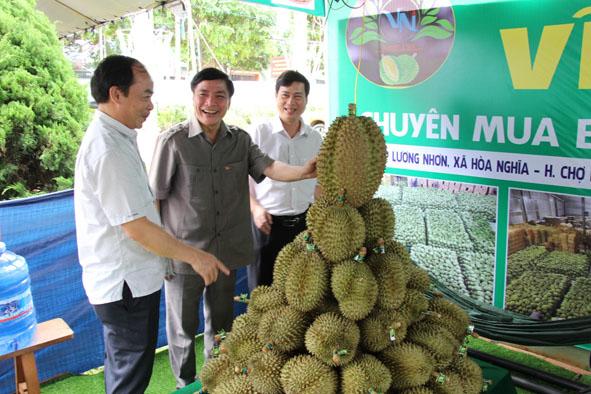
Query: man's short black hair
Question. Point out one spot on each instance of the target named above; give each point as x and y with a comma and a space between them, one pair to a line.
114, 70
212, 74
290, 76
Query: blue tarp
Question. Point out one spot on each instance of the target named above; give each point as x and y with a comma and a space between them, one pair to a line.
42, 230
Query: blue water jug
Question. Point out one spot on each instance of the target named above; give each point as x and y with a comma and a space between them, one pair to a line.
17, 313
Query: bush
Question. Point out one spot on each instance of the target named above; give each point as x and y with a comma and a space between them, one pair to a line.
43, 109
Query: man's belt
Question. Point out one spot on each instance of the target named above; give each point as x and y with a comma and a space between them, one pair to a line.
290, 221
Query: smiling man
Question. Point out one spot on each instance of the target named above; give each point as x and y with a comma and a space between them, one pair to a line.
279, 208
199, 174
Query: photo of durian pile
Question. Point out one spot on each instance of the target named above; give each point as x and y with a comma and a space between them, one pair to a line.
348, 311
449, 228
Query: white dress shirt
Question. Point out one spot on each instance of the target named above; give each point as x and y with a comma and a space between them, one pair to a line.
111, 188
286, 198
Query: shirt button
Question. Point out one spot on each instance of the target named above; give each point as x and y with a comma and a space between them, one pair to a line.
216, 192
219, 235
218, 213
215, 170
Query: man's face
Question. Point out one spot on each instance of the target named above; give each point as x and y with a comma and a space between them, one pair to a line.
137, 105
211, 100
291, 102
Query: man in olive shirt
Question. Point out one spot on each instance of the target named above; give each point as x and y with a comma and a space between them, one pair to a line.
200, 175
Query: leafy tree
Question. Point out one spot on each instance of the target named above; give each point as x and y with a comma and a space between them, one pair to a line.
43, 109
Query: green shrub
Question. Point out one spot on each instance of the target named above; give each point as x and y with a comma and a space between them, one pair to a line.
43, 109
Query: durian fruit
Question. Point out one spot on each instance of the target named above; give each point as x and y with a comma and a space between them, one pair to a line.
355, 288
305, 374
470, 374
365, 374
454, 318
238, 384
307, 281
246, 321
437, 340
283, 329
240, 348
451, 383
264, 371
264, 298
379, 221
338, 230
414, 305
418, 278
382, 328
215, 371
333, 339
417, 390
392, 276
392, 246
409, 364
283, 263
352, 158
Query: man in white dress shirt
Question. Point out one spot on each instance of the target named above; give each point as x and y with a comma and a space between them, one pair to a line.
121, 244
279, 208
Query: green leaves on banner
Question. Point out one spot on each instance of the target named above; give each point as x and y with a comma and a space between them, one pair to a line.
362, 36
430, 21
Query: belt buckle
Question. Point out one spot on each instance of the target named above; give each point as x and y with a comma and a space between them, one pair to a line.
290, 222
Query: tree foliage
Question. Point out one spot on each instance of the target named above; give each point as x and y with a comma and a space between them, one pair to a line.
43, 109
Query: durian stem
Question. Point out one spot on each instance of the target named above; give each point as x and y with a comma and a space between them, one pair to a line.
352, 109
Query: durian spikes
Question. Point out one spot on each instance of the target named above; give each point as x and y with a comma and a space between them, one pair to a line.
265, 372
216, 370
435, 339
265, 298
379, 221
391, 274
305, 374
352, 158
454, 318
285, 260
382, 328
283, 329
366, 374
355, 288
307, 281
333, 339
409, 364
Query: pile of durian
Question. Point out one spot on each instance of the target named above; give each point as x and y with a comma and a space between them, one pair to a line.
347, 311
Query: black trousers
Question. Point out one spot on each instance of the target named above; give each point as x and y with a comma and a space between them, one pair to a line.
130, 333
283, 230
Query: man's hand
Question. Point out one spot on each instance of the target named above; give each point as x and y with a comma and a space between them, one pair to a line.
262, 219
207, 266
309, 169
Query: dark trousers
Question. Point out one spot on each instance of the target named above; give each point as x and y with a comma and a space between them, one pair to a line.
130, 332
283, 230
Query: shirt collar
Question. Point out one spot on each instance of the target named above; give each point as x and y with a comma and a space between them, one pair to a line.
195, 128
278, 127
115, 124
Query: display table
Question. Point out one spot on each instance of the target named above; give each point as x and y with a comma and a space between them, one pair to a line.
47, 333
499, 380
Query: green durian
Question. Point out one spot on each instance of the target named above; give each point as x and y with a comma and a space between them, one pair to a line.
414, 305
307, 281
264, 371
216, 370
418, 279
452, 384
382, 328
238, 384
283, 263
365, 374
379, 221
355, 288
264, 298
338, 231
409, 364
333, 339
305, 374
417, 390
392, 275
352, 159
435, 339
283, 329
453, 317
470, 374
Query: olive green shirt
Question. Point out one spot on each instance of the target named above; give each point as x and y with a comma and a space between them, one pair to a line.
203, 190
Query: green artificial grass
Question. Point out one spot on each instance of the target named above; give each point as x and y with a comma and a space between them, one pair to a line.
163, 382
93, 382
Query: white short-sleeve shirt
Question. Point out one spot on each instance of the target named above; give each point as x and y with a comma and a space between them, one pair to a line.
111, 188
286, 198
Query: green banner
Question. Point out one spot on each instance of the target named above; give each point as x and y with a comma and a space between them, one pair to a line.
486, 110
314, 7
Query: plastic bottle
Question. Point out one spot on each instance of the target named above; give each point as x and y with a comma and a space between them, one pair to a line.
17, 313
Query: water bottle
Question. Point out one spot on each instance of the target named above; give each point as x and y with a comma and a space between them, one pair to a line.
17, 313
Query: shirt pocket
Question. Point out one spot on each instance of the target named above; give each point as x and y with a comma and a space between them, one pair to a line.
234, 178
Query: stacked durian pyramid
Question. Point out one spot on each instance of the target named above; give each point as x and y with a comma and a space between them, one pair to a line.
347, 311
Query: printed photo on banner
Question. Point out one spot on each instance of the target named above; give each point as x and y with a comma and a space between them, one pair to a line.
549, 255
449, 229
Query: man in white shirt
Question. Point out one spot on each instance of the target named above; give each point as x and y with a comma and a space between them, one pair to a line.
121, 244
279, 208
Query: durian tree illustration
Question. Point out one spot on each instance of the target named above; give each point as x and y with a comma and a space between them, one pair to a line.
347, 311
388, 30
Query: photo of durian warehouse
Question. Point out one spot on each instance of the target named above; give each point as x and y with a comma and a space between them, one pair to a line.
549, 255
